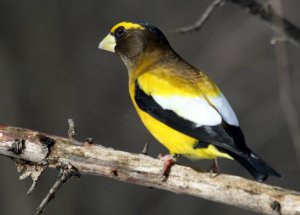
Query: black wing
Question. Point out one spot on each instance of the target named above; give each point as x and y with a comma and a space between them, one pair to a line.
219, 135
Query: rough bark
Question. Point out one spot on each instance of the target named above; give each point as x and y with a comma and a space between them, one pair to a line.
34, 148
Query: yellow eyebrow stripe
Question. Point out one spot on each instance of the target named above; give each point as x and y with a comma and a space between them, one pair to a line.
127, 26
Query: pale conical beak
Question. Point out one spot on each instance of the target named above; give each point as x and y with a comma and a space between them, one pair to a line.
108, 43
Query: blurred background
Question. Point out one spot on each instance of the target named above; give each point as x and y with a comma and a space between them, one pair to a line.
51, 70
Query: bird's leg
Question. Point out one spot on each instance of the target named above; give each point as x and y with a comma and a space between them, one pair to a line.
169, 160
214, 169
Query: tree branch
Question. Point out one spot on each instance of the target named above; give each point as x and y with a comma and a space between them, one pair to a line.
291, 31
51, 151
202, 20
284, 82
64, 175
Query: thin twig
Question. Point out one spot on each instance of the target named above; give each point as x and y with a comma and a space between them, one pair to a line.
146, 171
202, 20
284, 82
63, 176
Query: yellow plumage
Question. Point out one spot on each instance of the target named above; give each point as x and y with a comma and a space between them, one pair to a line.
179, 104
161, 82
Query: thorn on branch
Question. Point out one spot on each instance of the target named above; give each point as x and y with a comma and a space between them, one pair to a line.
72, 130
17, 146
88, 142
145, 149
72, 133
65, 173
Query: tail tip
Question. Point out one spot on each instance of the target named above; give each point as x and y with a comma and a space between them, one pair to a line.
266, 171
264, 177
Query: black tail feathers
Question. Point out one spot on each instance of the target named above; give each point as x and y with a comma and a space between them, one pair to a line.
258, 168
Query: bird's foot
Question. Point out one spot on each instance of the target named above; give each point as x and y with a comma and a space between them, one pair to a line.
169, 160
214, 169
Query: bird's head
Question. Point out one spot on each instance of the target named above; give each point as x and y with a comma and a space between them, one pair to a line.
134, 42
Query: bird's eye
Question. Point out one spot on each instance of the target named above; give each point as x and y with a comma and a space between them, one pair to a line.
120, 31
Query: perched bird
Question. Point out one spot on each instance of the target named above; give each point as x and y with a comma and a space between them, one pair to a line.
179, 104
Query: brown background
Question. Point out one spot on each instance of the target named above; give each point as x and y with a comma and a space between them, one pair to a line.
51, 69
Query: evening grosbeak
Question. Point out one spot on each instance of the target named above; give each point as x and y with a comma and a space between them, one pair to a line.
179, 104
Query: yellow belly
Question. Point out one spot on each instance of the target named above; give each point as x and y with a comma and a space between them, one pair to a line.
176, 142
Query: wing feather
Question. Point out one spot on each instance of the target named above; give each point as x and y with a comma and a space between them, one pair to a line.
170, 115
196, 110
223, 107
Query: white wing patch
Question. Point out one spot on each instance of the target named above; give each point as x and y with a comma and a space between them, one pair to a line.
224, 108
196, 110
